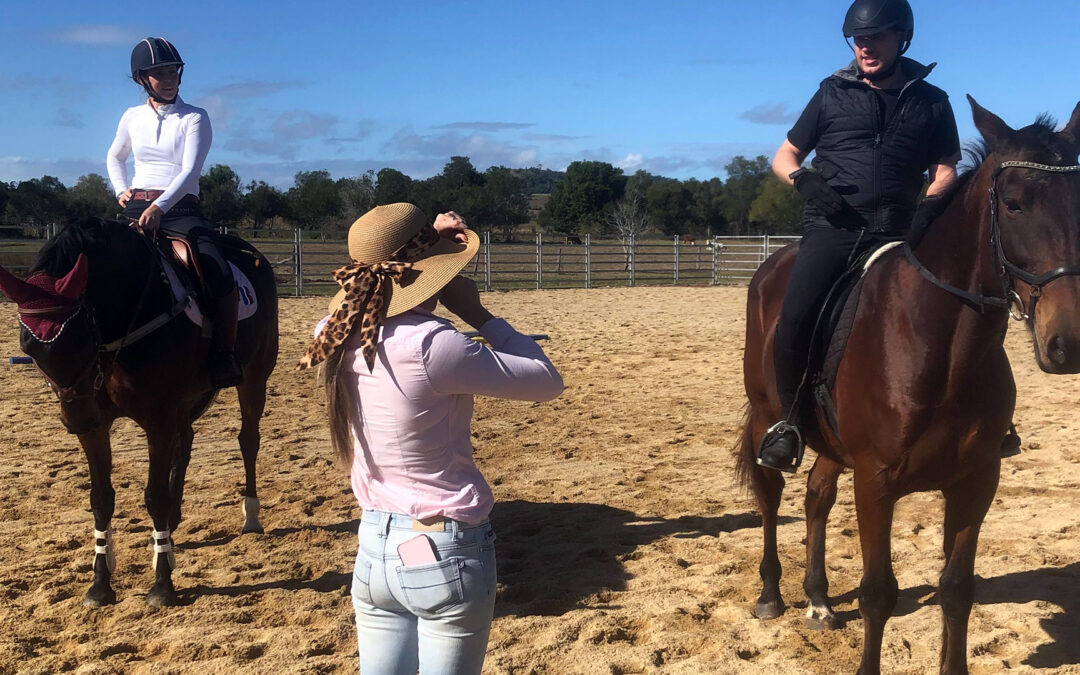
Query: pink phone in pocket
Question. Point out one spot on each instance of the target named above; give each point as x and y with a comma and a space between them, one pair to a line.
419, 550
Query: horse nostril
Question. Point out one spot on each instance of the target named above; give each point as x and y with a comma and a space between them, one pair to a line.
1055, 348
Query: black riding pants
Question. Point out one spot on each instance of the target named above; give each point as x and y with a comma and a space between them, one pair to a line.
183, 220
824, 254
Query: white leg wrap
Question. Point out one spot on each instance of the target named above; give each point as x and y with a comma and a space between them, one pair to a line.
105, 549
250, 509
162, 543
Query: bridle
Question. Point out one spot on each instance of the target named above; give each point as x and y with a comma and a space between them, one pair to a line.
1007, 270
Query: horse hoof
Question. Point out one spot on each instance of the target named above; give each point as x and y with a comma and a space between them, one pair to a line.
769, 610
99, 598
827, 622
161, 597
253, 529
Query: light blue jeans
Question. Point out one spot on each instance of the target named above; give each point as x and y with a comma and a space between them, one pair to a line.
433, 618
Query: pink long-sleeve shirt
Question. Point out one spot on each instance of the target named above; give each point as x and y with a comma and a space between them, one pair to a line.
412, 452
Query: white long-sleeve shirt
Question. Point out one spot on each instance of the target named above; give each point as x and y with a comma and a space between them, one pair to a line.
170, 146
413, 451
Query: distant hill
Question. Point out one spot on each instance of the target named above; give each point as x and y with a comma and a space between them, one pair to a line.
537, 179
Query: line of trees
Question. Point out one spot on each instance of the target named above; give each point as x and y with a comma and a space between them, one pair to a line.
589, 197
597, 198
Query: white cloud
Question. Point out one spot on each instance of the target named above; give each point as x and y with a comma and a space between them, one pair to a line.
99, 36
632, 162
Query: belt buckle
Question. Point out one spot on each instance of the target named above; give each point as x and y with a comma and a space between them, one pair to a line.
433, 524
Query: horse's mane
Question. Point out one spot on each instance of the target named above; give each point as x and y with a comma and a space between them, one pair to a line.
86, 235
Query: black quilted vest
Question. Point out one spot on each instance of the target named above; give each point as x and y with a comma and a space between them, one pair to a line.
877, 169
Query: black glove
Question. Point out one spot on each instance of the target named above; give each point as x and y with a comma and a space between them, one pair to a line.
816, 191
927, 211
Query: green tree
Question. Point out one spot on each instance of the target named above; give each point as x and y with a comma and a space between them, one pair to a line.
457, 188
315, 202
638, 184
392, 186
777, 209
707, 212
669, 204
219, 196
501, 202
263, 203
5, 194
37, 201
582, 202
91, 196
357, 195
743, 178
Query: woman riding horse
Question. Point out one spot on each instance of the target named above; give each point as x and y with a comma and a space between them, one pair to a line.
170, 140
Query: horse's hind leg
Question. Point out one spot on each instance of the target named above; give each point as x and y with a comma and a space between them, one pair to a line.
178, 475
252, 396
966, 505
820, 497
98, 452
768, 486
878, 590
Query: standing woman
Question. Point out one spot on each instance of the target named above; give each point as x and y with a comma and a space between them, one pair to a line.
400, 383
170, 140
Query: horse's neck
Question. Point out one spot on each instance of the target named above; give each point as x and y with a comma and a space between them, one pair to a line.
956, 247
117, 286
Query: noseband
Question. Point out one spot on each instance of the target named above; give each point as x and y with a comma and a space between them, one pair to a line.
1007, 270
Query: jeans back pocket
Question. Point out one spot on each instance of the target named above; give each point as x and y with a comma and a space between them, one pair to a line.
361, 578
432, 588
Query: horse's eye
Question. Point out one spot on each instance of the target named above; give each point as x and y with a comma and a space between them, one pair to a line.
1013, 206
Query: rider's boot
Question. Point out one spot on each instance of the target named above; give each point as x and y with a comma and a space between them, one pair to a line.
781, 448
1010, 445
225, 370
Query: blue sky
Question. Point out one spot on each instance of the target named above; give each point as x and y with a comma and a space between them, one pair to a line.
676, 88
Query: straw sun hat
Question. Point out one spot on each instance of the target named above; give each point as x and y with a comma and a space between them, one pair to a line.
382, 231
398, 262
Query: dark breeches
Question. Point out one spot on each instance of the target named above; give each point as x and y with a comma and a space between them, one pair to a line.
824, 254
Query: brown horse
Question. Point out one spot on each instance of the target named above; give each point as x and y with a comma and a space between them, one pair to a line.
103, 326
924, 392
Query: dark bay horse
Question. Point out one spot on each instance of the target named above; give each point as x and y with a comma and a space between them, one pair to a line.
103, 326
924, 392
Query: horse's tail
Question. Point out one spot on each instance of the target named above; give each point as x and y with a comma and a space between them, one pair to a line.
744, 451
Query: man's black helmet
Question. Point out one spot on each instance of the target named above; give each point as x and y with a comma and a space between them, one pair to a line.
866, 17
153, 52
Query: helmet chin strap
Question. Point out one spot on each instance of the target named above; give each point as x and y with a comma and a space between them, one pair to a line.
144, 80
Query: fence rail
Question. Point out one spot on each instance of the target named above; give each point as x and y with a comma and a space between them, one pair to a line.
303, 264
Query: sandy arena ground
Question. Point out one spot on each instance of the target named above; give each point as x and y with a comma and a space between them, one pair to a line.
625, 545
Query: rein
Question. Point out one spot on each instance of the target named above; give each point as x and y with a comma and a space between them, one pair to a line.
1011, 300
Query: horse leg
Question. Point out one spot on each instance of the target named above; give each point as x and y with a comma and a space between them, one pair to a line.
878, 590
768, 486
966, 504
164, 442
252, 396
178, 475
98, 451
820, 497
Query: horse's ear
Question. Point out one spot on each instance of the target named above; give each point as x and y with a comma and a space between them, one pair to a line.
15, 288
993, 129
1072, 130
74, 283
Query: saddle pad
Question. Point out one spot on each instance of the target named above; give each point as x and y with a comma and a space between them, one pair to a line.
247, 301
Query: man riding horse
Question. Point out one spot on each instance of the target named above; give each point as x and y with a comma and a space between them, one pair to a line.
878, 129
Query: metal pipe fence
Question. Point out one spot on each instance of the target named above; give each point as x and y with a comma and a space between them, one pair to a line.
303, 263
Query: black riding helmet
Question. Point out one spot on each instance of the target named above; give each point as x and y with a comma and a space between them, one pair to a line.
866, 17
150, 53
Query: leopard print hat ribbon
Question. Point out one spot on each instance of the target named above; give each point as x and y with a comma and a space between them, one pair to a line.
366, 289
